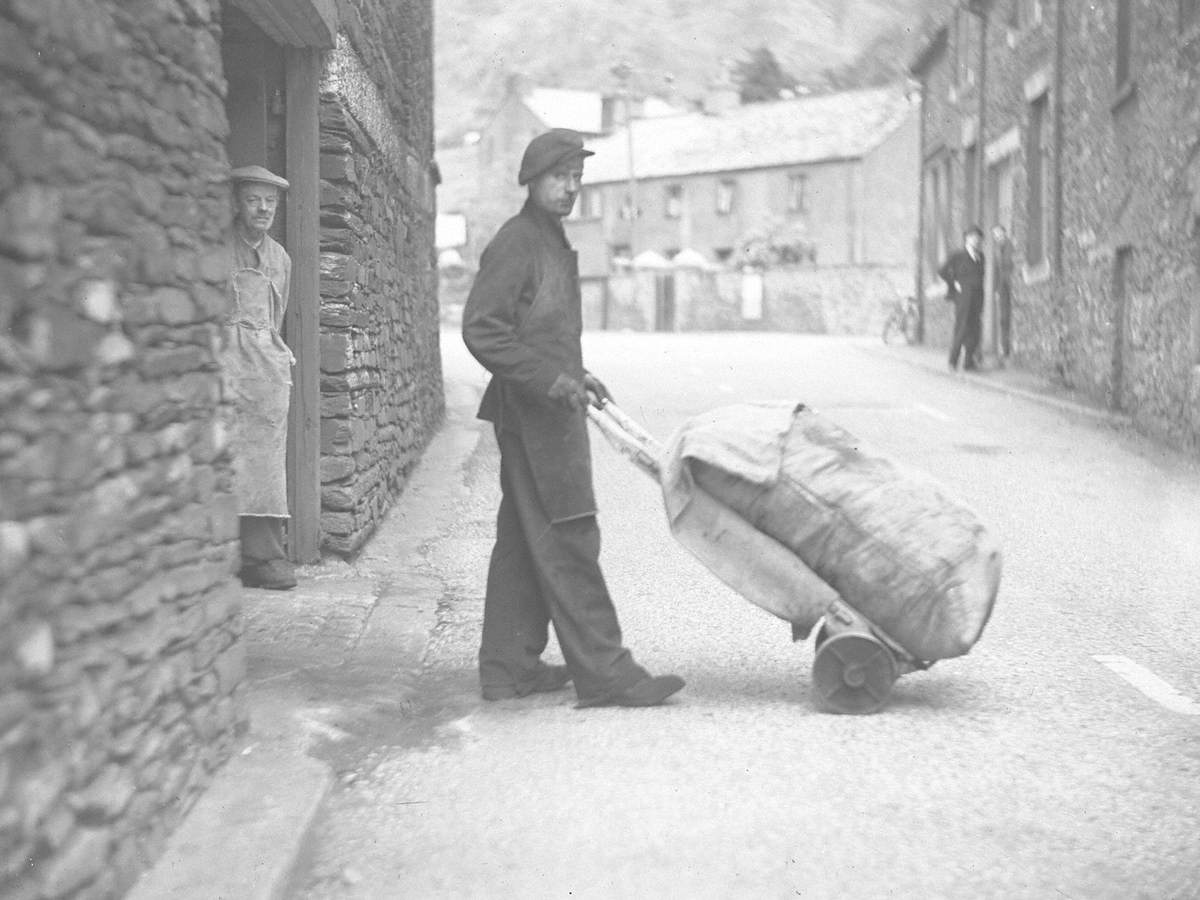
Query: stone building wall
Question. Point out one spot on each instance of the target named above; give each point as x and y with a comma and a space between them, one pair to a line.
381, 387
943, 108
1129, 185
1020, 65
1132, 183
846, 300
120, 647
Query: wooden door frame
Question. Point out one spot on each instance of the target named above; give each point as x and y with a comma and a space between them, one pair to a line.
253, 141
302, 74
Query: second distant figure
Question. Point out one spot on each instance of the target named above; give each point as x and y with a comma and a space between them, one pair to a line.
963, 274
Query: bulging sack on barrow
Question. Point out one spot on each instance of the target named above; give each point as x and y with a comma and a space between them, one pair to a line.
890, 540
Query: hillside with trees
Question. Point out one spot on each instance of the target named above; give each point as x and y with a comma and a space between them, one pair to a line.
677, 48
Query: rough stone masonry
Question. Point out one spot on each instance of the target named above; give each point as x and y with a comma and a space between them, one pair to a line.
121, 634
119, 630
381, 388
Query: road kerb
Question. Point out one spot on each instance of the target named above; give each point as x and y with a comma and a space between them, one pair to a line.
997, 385
242, 837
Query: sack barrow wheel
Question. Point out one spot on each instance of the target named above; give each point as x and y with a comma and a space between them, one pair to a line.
852, 673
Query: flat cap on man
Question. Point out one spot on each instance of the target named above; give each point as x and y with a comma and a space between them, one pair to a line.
258, 173
549, 149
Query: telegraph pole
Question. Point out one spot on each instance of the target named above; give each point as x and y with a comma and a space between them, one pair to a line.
622, 71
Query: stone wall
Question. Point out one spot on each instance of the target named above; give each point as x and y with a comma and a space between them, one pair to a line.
946, 102
802, 299
381, 387
120, 644
1130, 182
1021, 63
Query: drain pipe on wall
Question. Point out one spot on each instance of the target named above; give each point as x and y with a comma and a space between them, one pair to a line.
1060, 30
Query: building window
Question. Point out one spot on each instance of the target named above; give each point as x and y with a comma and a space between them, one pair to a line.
1189, 13
1122, 262
1124, 42
627, 210
723, 254
932, 203
796, 189
971, 182
591, 203
966, 38
1035, 174
726, 191
939, 220
1196, 297
620, 253
1026, 13
946, 211
674, 201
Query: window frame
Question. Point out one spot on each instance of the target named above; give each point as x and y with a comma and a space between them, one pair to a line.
673, 201
971, 180
591, 203
797, 200
1123, 49
726, 191
1189, 15
1036, 238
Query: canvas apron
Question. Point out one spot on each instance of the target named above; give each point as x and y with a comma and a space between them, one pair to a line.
258, 377
556, 438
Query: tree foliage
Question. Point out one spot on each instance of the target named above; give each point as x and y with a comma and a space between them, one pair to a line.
884, 59
761, 79
575, 43
776, 242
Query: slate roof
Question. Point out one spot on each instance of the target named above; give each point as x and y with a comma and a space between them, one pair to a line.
845, 125
583, 110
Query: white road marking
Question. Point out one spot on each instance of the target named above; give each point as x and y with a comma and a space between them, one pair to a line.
932, 413
1150, 684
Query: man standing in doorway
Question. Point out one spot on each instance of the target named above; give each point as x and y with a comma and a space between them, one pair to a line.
1002, 272
258, 377
963, 274
522, 321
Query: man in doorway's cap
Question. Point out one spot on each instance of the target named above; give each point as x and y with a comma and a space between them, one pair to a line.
522, 321
257, 366
547, 150
258, 174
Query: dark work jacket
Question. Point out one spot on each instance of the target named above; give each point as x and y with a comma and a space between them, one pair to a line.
522, 321
963, 270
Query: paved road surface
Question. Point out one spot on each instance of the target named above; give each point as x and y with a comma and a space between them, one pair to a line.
1061, 758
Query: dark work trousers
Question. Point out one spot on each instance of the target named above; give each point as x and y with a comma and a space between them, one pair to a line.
262, 539
1004, 303
968, 315
544, 572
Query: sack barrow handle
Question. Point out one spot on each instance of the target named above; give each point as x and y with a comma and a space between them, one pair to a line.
628, 438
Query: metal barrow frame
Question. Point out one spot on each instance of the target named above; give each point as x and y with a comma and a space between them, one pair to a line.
855, 662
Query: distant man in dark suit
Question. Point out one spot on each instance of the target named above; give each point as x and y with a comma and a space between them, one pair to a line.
963, 274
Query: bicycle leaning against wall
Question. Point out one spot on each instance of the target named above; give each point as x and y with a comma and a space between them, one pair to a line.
902, 321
